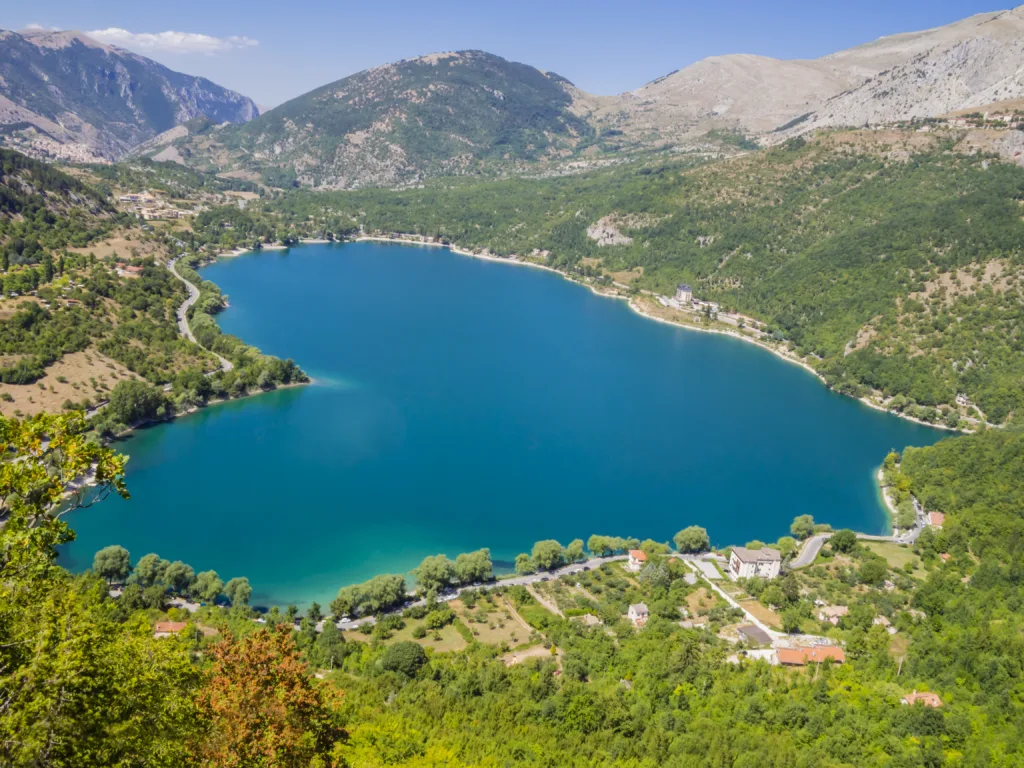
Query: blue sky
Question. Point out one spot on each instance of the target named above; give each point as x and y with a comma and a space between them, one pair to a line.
273, 51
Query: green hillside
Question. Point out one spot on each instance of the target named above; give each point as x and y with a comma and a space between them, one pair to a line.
443, 114
896, 275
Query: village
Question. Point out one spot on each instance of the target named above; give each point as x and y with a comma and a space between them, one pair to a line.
149, 206
725, 594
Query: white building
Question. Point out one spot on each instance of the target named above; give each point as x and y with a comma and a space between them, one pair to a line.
638, 614
684, 294
637, 560
747, 563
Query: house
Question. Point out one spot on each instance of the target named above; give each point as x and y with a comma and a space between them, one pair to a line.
638, 614
168, 628
637, 560
925, 698
936, 519
801, 657
832, 613
684, 294
133, 270
749, 563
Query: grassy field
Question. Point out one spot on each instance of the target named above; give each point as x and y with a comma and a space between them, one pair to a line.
760, 612
700, 600
896, 555
500, 626
450, 640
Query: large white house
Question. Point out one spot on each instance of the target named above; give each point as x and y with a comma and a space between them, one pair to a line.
684, 294
747, 563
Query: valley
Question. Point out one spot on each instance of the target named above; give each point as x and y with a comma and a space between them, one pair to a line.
482, 516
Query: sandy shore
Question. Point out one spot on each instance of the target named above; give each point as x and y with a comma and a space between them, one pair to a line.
889, 506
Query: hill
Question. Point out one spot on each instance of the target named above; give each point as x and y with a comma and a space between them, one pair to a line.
888, 261
64, 95
443, 114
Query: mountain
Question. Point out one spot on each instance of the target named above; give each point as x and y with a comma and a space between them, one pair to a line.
442, 114
65, 95
971, 62
470, 112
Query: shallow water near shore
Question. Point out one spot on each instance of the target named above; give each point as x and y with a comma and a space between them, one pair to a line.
461, 404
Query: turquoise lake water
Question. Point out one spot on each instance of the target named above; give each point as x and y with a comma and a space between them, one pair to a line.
461, 404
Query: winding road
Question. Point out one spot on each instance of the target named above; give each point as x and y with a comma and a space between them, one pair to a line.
183, 327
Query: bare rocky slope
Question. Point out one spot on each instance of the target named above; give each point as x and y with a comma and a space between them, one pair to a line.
971, 62
64, 95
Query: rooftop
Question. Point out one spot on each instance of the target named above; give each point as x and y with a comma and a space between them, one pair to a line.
638, 608
637, 554
171, 627
754, 634
928, 699
756, 555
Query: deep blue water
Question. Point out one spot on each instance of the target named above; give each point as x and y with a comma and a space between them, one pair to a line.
461, 404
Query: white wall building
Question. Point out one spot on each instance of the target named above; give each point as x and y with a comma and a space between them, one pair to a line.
749, 563
684, 294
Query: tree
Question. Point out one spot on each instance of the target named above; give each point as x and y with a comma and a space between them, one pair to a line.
405, 658
208, 586
787, 546
548, 555
524, 565
692, 539
843, 540
574, 551
329, 648
238, 591
435, 572
61, 649
599, 545
802, 526
791, 620
475, 566
314, 613
151, 569
133, 401
180, 577
113, 563
263, 706
873, 571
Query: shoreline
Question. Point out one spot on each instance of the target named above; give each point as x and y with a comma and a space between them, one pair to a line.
890, 508
631, 303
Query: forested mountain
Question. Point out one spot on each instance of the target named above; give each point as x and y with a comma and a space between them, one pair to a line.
443, 114
65, 95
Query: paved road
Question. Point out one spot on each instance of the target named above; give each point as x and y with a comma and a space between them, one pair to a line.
183, 327
810, 550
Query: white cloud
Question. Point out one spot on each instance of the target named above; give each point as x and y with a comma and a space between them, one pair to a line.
172, 42
41, 28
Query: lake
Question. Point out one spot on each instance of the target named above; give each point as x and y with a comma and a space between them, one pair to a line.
461, 404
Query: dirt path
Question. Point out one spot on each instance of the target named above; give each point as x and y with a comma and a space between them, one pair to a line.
544, 601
